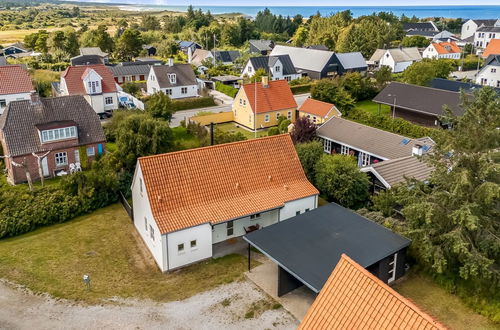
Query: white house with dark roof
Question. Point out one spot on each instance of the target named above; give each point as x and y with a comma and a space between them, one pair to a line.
278, 67
470, 27
398, 59
485, 34
96, 51
188, 202
130, 71
175, 80
489, 74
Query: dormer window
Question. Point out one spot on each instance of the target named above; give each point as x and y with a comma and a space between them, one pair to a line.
57, 134
172, 77
278, 68
94, 87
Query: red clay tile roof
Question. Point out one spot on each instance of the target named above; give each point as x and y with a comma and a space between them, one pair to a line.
14, 79
493, 48
276, 96
318, 108
223, 182
353, 298
446, 47
73, 76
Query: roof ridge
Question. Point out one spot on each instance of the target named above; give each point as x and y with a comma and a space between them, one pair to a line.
212, 147
391, 291
433, 88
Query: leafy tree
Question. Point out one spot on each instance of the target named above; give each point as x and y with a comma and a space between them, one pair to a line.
221, 137
327, 90
299, 39
150, 23
421, 73
129, 45
360, 88
304, 130
382, 76
167, 48
140, 135
309, 154
131, 88
415, 41
339, 178
257, 76
325, 30
71, 44
97, 38
453, 222
159, 105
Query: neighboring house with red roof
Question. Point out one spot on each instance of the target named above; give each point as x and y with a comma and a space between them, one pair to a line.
186, 202
62, 129
438, 50
493, 48
15, 84
259, 105
353, 298
95, 82
317, 111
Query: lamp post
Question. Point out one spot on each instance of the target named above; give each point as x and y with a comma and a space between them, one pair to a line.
394, 105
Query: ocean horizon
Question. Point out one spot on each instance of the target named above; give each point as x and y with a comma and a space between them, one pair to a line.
465, 12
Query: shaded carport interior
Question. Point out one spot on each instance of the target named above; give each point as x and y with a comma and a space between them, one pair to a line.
308, 246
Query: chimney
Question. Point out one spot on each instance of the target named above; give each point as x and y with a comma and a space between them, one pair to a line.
265, 81
170, 61
190, 54
417, 150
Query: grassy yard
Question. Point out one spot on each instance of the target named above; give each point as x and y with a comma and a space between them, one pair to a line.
445, 307
231, 127
372, 107
184, 139
104, 245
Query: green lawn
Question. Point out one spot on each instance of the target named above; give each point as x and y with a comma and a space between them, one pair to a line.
445, 307
184, 139
104, 245
373, 107
231, 127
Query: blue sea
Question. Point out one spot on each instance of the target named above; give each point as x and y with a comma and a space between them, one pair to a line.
465, 12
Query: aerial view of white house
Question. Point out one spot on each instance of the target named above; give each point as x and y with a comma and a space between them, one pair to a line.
188, 201
398, 59
278, 67
490, 72
175, 80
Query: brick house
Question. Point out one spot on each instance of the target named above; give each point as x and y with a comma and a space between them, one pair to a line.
66, 127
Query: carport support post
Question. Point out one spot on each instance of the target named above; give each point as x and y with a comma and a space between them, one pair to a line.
249, 260
211, 133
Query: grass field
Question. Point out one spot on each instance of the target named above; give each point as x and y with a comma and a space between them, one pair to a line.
447, 308
104, 245
373, 107
231, 127
184, 139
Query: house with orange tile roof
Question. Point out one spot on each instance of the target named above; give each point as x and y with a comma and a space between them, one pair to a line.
493, 48
186, 203
15, 85
353, 298
259, 105
95, 82
317, 111
437, 50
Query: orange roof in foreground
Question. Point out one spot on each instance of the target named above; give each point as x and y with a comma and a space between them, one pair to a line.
277, 96
353, 298
318, 108
223, 182
493, 48
446, 47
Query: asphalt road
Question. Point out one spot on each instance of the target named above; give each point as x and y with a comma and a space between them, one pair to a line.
182, 115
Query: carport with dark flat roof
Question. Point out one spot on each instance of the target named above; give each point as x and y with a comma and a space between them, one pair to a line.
308, 246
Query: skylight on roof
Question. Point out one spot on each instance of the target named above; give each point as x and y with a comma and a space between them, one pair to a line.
426, 147
404, 142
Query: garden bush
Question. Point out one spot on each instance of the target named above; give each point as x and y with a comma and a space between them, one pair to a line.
226, 89
193, 103
301, 89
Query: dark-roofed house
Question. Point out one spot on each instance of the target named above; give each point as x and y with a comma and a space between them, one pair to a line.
262, 47
318, 47
15, 84
456, 86
175, 80
418, 104
61, 128
226, 57
398, 59
130, 71
485, 34
18, 50
489, 74
318, 64
307, 247
278, 67
470, 27
95, 51
86, 60
185, 45
420, 26
95, 82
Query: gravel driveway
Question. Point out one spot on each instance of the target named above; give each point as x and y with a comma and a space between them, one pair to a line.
222, 308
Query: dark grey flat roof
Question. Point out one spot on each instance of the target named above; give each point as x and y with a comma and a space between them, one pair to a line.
310, 245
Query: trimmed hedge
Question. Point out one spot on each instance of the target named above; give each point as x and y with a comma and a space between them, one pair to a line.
193, 103
301, 89
394, 125
226, 89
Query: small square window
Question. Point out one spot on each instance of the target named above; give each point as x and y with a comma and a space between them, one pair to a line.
152, 232
193, 244
3, 103
90, 151
180, 247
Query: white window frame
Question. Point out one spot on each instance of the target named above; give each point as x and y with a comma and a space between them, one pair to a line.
3, 103
393, 265
61, 158
344, 150
58, 134
181, 248
108, 100
184, 90
92, 151
267, 118
193, 246
327, 146
289, 115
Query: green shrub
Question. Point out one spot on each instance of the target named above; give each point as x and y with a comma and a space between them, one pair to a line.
226, 89
273, 131
301, 89
193, 103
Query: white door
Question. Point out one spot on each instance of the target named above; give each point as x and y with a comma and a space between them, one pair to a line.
45, 167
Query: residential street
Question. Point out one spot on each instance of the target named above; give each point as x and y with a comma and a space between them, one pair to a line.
182, 115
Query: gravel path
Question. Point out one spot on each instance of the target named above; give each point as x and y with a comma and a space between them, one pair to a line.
222, 308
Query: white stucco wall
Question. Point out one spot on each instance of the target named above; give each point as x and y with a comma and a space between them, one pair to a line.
203, 250
219, 232
491, 74
468, 29
249, 70
98, 104
14, 97
291, 208
142, 211
192, 91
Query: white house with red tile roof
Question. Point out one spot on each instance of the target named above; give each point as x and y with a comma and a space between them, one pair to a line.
95, 82
15, 85
188, 201
438, 50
